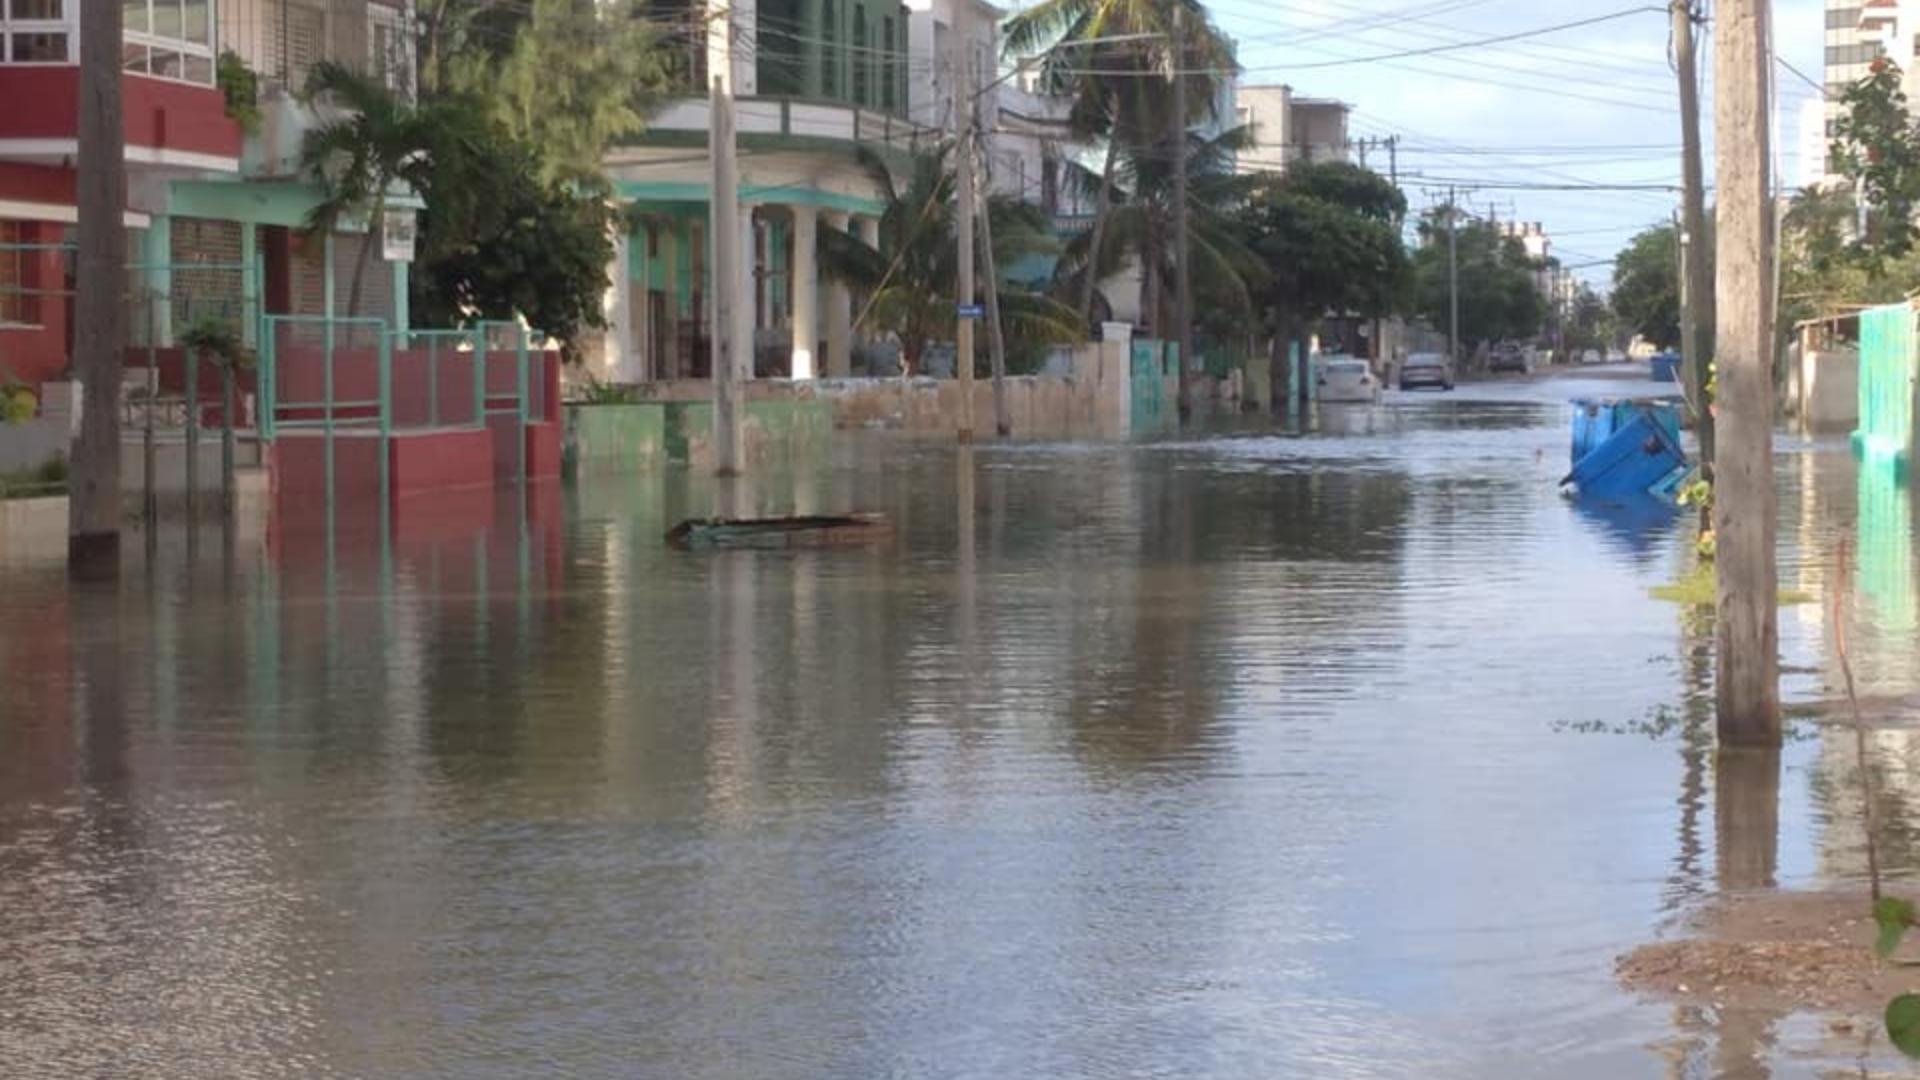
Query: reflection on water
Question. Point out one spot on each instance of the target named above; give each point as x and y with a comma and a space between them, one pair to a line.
1241, 756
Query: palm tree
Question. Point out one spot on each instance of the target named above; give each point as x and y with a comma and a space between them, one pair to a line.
912, 277
1225, 268
1105, 55
374, 140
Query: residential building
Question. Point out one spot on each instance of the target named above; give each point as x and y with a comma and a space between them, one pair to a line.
1849, 51
1288, 128
213, 211
816, 82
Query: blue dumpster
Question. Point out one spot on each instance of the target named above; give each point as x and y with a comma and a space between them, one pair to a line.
1642, 457
1596, 419
1666, 367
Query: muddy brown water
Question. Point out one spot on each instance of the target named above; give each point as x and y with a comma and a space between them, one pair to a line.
1355, 753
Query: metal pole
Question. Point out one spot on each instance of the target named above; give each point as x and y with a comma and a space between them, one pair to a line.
1696, 291
964, 228
192, 360
1182, 268
1747, 681
1453, 282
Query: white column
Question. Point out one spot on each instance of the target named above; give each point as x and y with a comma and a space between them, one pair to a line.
618, 362
806, 297
839, 316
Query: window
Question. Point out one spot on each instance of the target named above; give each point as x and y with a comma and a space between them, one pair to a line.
859, 54
1858, 53
829, 55
19, 305
887, 64
1843, 18
388, 58
171, 39
36, 32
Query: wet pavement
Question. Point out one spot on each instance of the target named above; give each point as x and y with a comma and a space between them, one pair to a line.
1356, 752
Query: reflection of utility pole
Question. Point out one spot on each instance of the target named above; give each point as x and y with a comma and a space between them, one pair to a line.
1453, 280
963, 232
1696, 282
1747, 644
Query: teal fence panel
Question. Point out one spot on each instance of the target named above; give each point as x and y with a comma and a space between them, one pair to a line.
1150, 405
1886, 384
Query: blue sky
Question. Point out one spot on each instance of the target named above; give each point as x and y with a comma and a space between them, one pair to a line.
1590, 105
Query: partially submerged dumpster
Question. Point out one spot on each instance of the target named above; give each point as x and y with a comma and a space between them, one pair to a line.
1628, 448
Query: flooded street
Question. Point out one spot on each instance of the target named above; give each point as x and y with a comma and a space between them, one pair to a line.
1354, 754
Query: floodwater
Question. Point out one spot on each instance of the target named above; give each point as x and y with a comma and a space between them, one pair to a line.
1353, 754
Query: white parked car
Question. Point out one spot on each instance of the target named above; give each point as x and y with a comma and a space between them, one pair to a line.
1345, 379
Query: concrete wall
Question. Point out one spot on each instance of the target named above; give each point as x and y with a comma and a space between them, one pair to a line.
680, 431
1094, 399
1829, 389
34, 531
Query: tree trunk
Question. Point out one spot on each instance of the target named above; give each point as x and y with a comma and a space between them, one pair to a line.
1150, 283
1097, 237
375, 221
1747, 684
93, 522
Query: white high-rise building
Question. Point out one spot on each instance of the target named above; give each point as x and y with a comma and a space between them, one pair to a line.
1851, 45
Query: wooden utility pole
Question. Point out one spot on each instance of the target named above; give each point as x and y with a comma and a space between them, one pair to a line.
1696, 288
1747, 680
964, 229
724, 213
1182, 268
99, 338
996, 334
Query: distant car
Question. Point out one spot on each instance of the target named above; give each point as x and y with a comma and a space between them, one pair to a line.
1591, 356
1345, 379
1508, 358
1426, 369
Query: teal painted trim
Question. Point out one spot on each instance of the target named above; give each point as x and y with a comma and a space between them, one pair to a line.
262, 202
250, 279
775, 194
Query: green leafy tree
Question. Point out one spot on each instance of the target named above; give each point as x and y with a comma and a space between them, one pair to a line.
575, 79
1498, 298
1876, 144
912, 277
1646, 286
1329, 239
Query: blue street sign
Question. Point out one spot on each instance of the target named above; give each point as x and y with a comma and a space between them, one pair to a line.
971, 311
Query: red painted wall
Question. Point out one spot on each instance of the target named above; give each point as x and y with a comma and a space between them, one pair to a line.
38, 353
159, 113
426, 462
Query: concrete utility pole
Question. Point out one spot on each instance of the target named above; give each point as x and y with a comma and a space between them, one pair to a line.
99, 339
1747, 682
996, 335
726, 354
1182, 264
1696, 289
964, 229
1453, 282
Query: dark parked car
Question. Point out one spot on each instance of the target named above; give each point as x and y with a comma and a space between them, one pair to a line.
1427, 369
1508, 358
